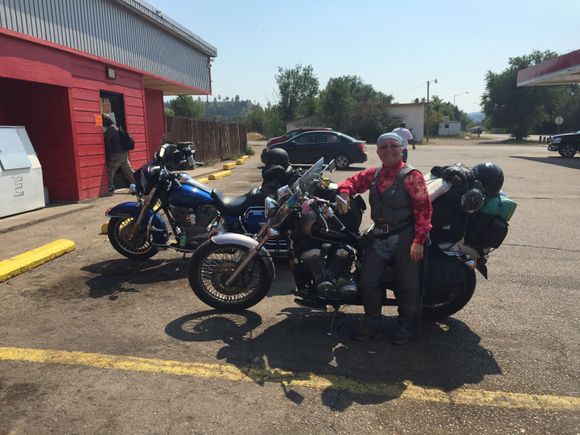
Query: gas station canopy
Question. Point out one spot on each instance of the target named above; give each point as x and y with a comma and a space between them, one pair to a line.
561, 70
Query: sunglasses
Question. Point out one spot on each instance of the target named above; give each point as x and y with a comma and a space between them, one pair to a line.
390, 147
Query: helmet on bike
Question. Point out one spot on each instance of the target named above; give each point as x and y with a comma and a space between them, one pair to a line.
491, 177
277, 156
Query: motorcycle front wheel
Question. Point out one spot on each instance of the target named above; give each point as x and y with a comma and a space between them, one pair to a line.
120, 231
210, 267
458, 294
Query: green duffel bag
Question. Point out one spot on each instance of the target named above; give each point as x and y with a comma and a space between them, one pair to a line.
501, 205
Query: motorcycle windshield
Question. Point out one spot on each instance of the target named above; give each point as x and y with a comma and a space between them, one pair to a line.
306, 181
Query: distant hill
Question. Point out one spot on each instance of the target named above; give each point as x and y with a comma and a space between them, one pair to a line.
476, 116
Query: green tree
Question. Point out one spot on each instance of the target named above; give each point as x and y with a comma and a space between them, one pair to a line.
356, 108
297, 87
254, 120
337, 104
518, 110
184, 105
274, 125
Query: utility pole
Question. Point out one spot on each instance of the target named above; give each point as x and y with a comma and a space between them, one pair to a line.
456, 95
428, 109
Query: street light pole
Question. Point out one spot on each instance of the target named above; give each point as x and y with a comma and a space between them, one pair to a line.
428, 109
456, 95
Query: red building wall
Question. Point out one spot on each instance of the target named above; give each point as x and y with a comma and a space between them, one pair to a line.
79, 142
44, 110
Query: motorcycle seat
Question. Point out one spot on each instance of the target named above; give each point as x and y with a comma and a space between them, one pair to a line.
237, 205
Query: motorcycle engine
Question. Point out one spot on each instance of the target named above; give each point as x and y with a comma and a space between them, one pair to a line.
194, 224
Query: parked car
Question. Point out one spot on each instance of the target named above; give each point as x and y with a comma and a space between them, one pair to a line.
476, 130
293, 133
310, 146
567, 144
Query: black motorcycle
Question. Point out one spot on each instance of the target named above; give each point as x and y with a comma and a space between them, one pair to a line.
232, 272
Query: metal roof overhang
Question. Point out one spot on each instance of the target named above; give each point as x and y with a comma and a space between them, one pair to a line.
170, 88
561, 70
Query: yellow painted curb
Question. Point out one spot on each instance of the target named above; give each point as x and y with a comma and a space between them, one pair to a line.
230, 165
31, 259
240, 161
203, 180
105, 228
245, 156
218, 175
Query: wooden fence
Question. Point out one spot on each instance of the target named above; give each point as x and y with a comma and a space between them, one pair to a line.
213, 140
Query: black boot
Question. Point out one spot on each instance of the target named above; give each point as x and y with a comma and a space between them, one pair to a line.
367, 331
404, 331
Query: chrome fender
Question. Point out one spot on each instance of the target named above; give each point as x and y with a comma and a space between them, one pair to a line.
246, 242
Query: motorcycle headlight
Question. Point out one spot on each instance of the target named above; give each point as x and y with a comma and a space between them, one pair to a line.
557, 140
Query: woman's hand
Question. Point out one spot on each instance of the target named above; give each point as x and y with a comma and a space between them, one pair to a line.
342, 207
416, 251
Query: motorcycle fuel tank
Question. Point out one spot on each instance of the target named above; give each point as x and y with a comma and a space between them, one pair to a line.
189, 196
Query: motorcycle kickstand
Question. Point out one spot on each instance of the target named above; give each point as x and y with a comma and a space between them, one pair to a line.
335, 314
180, 262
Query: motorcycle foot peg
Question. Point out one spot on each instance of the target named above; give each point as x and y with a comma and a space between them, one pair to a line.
315, 305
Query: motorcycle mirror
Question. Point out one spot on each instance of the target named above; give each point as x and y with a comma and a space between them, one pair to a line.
331, 166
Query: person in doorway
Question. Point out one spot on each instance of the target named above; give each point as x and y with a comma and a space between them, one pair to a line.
117, 156
407, 137
401, 211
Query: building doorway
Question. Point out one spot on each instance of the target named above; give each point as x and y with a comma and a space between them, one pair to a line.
112, 103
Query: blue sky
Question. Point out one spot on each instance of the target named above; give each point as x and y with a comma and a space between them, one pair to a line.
394, 46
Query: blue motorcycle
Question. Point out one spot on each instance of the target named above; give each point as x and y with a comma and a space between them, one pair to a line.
174, 211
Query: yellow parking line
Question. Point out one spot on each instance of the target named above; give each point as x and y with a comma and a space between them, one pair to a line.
34, 258
405, 390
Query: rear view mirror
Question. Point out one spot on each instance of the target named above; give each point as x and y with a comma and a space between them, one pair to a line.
331, 166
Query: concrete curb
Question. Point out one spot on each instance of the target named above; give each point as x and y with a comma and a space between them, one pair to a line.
218, 175
31, 259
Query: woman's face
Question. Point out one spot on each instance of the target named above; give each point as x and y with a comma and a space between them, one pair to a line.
390, 152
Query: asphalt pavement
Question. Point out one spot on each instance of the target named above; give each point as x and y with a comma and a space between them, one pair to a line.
92, 342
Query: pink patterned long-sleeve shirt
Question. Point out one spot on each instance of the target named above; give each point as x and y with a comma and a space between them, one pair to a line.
414, 185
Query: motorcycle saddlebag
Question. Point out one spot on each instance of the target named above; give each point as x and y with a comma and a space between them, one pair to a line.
444, 269
448, 223
487, 230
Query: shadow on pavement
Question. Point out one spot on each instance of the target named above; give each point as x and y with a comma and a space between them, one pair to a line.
448, 355
113, 277
118, 276
573, 163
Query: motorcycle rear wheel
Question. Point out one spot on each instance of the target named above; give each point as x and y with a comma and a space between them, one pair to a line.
135, 248
211, 265
460, 295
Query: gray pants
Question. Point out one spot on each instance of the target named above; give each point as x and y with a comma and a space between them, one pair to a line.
116, 161
377, 256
